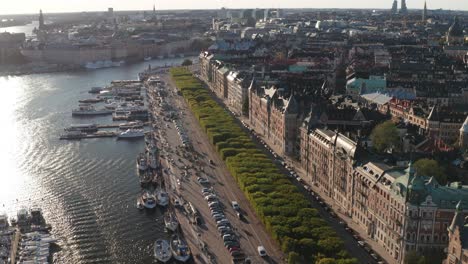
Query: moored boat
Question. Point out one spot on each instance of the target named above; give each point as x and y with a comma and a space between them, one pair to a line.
131, 133
141, 163
170, 221
179, 248
149, 200
162, 197
162, 250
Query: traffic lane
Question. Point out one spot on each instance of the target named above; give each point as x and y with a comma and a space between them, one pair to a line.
255, 225
226, 189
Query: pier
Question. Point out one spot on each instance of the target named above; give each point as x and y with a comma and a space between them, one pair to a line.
99, 134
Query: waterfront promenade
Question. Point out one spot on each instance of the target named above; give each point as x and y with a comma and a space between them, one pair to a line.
183, 167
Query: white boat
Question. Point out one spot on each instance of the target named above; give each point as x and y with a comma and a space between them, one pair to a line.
149, 201
95, 90
82, 128
152, 161
133, 124
140, 203
147, 58
162, 250
3, 221
179, 248
170, 221
131, 133
141, 163
162, 197
87, 110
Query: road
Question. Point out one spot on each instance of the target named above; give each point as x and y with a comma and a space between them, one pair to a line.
184, 166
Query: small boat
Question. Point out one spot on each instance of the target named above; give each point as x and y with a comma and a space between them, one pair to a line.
88, 128
73, 135
141, 163
149, 201
131, 125
162, 250
179, 248
95, 90
147, 58
152, 161
170, 221
131, 133
140, 203
36, 216
145, 178
87, 110
162, 197
91, 100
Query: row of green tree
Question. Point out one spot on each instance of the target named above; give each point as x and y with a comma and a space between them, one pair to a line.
286, 213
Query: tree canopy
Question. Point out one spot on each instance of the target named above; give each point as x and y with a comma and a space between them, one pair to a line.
187, 62
430, 167
385, 137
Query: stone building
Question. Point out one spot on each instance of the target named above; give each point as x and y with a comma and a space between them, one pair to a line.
457, 251
275, 117
399, 209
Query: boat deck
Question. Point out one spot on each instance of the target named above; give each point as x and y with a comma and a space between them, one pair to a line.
99, 134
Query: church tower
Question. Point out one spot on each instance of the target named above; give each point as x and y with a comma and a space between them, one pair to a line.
424, 14
41, 20
394, 7
403, 8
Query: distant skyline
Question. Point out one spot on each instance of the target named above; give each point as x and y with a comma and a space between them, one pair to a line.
56, 6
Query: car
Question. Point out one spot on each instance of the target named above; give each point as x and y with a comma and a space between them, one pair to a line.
374, 256
227, 237
218, 217
206, 190
231, 244
223, 221
202, 180
240, 216
222, 229
231, 249
237, 254
235, 205
247, 261
361, 243
368, 249
357, 237
332, 214
261, 251
211, 162
210, 197
213, 203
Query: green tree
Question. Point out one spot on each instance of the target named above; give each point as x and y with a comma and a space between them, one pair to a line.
412, 257
385, 136
326, 261
293, 258
245, 108
430, 167
187, 62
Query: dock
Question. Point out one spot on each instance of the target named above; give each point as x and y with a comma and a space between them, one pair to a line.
115, 125
14, 246
99, 134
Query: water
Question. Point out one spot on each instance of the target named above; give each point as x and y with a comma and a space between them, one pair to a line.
27, 29
87, 188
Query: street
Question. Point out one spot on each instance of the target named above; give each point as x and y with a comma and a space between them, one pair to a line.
183, 166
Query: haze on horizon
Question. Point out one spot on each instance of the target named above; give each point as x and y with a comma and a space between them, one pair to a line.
57, 6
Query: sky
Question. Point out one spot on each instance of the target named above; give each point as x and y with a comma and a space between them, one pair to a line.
53, 6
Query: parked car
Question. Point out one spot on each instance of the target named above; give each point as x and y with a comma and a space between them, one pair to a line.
235, 205
361, 243
261, 251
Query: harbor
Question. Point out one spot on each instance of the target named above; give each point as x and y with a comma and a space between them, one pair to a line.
25, 238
